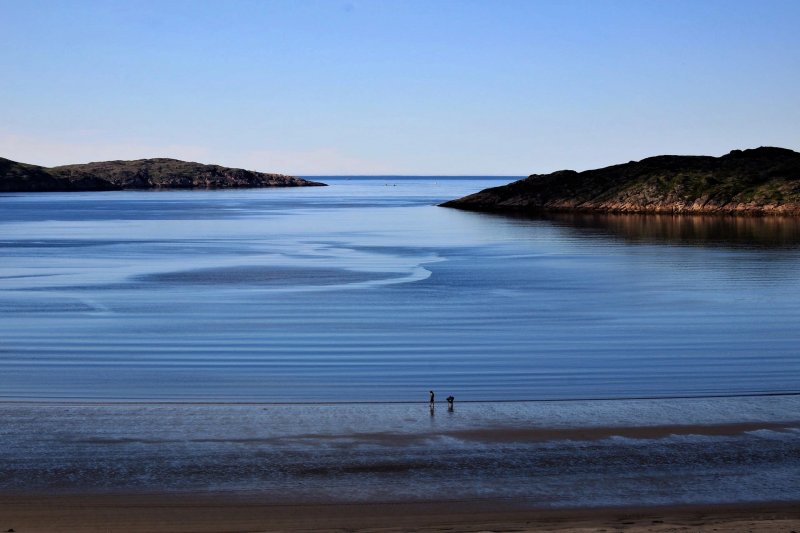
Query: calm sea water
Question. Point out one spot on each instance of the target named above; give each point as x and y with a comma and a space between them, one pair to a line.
366, 291
254, 340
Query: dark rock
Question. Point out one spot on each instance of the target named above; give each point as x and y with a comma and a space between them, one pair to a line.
758, 181
15, 177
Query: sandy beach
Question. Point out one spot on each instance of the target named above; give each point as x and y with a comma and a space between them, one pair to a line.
226, 513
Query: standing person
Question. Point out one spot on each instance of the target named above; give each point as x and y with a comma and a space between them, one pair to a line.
450, 400
432, 395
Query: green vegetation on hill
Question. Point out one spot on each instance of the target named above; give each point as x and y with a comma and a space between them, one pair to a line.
757, 181
138, 174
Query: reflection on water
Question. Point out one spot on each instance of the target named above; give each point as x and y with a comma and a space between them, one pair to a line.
767, 232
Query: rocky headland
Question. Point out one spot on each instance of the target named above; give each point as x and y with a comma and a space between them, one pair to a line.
760, 181
138, 174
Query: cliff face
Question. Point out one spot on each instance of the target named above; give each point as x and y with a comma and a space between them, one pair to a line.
139, 174
759, 181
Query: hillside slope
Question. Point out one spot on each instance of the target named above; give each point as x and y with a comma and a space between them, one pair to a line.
138, 174
758, 181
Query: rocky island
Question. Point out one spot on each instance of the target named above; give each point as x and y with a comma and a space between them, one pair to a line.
157, 173
760, 181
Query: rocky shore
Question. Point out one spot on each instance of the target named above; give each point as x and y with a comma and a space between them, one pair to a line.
761, 181
138, 174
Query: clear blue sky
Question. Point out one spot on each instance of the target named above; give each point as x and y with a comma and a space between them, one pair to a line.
396, 87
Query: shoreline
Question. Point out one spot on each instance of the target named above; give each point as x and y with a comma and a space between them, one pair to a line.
218, 512
100, 402
762, 212
399, 424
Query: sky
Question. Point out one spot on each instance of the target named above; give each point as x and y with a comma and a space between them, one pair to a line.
429, 87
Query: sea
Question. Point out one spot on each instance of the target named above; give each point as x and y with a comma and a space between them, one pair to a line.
284, 343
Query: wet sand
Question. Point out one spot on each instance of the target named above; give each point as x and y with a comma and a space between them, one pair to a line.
548, 455
632, 432
226, 512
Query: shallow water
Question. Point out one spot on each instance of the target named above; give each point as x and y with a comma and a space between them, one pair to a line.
546, 454
366, 291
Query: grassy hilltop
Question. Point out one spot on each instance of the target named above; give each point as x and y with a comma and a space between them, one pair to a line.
759, 181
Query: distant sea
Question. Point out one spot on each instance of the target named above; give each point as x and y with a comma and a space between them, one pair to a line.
286, 340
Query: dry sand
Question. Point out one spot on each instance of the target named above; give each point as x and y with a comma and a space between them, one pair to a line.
226, 513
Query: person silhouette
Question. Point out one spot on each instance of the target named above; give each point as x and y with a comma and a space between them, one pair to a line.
450, 400
432, 396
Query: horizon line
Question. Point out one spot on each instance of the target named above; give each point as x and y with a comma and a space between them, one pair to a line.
411, 175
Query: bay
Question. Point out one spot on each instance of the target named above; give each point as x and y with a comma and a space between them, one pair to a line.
365, 291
